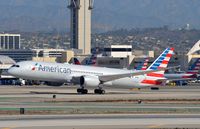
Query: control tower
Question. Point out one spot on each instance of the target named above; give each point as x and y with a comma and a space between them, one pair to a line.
81, 24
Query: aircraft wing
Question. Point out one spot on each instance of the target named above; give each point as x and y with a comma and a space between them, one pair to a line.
106, 78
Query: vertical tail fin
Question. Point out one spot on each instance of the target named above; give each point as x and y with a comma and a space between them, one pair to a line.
161, 62
92, 60
143, 65
76, 61
195, 67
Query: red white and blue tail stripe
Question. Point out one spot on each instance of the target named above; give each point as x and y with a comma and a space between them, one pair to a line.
92, 60
161, 62
76, 61
143, 65
195, 67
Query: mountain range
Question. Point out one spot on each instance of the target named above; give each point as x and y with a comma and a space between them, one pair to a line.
49, 15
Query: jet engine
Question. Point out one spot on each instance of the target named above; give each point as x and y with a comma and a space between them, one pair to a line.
89, 81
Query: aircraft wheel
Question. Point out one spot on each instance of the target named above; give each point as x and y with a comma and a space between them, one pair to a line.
82, 91
103, 91
96, 91
85, 91
79, 91
99, 91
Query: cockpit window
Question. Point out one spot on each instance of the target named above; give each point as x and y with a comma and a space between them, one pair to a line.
15, 66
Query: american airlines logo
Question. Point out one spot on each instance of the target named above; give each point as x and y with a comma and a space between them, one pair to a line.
35, 66
57, 69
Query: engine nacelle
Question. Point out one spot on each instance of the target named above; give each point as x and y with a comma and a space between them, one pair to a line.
89, 81
54, 83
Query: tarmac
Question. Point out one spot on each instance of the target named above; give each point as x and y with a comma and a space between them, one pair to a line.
168, 107
110, 121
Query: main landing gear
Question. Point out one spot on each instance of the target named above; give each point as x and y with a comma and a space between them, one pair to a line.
99, 91
82, 91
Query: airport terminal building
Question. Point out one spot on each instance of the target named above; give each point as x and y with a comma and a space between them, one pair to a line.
5, 63
10, 41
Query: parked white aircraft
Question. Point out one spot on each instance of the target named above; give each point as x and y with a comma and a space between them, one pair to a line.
93, 76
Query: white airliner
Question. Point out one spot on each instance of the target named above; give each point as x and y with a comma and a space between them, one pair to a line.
93, 76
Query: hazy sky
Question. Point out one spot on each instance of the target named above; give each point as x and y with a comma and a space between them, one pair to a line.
107, 14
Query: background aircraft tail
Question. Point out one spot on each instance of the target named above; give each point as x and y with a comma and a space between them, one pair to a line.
76, 61
143, 65
92, 60
195, 67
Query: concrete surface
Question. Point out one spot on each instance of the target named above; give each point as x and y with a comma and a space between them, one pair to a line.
111, 121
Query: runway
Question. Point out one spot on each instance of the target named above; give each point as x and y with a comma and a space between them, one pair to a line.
169, 107
39, 100
111, 121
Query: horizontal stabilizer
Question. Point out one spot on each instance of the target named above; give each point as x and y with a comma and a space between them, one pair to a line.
106, 78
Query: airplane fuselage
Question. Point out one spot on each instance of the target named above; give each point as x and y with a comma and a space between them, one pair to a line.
58, 72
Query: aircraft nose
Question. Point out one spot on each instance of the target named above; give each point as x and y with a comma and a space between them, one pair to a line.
14, 70
10, 71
